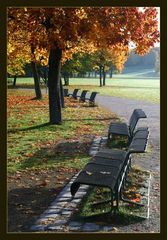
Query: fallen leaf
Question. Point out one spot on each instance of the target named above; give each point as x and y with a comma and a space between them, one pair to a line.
28, 154
44, 183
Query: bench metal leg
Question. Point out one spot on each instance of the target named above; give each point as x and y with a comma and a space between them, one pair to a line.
100, 202
111, 201
130, 201
117, 200
108, 138
129, 140
124, 182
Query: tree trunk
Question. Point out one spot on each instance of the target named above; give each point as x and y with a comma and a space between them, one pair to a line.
54, 86
111, 70
14, 81
36, 78
104, 77
100, 70
61, 93
66, 79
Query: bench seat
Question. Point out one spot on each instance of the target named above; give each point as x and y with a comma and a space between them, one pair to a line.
119, 129
124, 128
97, 175
111, 153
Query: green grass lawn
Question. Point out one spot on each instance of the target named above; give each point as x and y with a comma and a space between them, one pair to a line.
147, 89
33, 143
41, 158
142, 89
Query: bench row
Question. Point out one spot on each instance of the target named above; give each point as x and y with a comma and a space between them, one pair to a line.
109, 167
82, 96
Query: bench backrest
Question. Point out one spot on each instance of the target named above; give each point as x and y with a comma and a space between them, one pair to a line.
92, 96
83, 94
65, 92
139, 141
74, 94
136, 115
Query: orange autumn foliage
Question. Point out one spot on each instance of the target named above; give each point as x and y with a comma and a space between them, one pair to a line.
82, 29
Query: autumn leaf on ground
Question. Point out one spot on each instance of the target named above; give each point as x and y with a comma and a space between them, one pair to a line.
44, 183
28, 154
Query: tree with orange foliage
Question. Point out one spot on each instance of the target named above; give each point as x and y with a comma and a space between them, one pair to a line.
19, 53
64, 31
104, 58
16, 59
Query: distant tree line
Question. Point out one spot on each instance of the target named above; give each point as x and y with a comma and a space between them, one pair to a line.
149, 60
85, 66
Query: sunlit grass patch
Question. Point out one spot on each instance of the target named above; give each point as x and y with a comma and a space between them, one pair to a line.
146, 89
133, 88
142, 93
32, 140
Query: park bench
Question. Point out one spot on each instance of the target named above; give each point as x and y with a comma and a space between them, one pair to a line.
65, 92
74, 94
110, 169
91, 99
83, 95
123, 129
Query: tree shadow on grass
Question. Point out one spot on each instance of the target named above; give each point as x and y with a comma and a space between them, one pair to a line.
26, 204
43, 125
117, 219
72, 148
103, 214
29, 87
41, 158
91, 119
62, 153
29, 128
